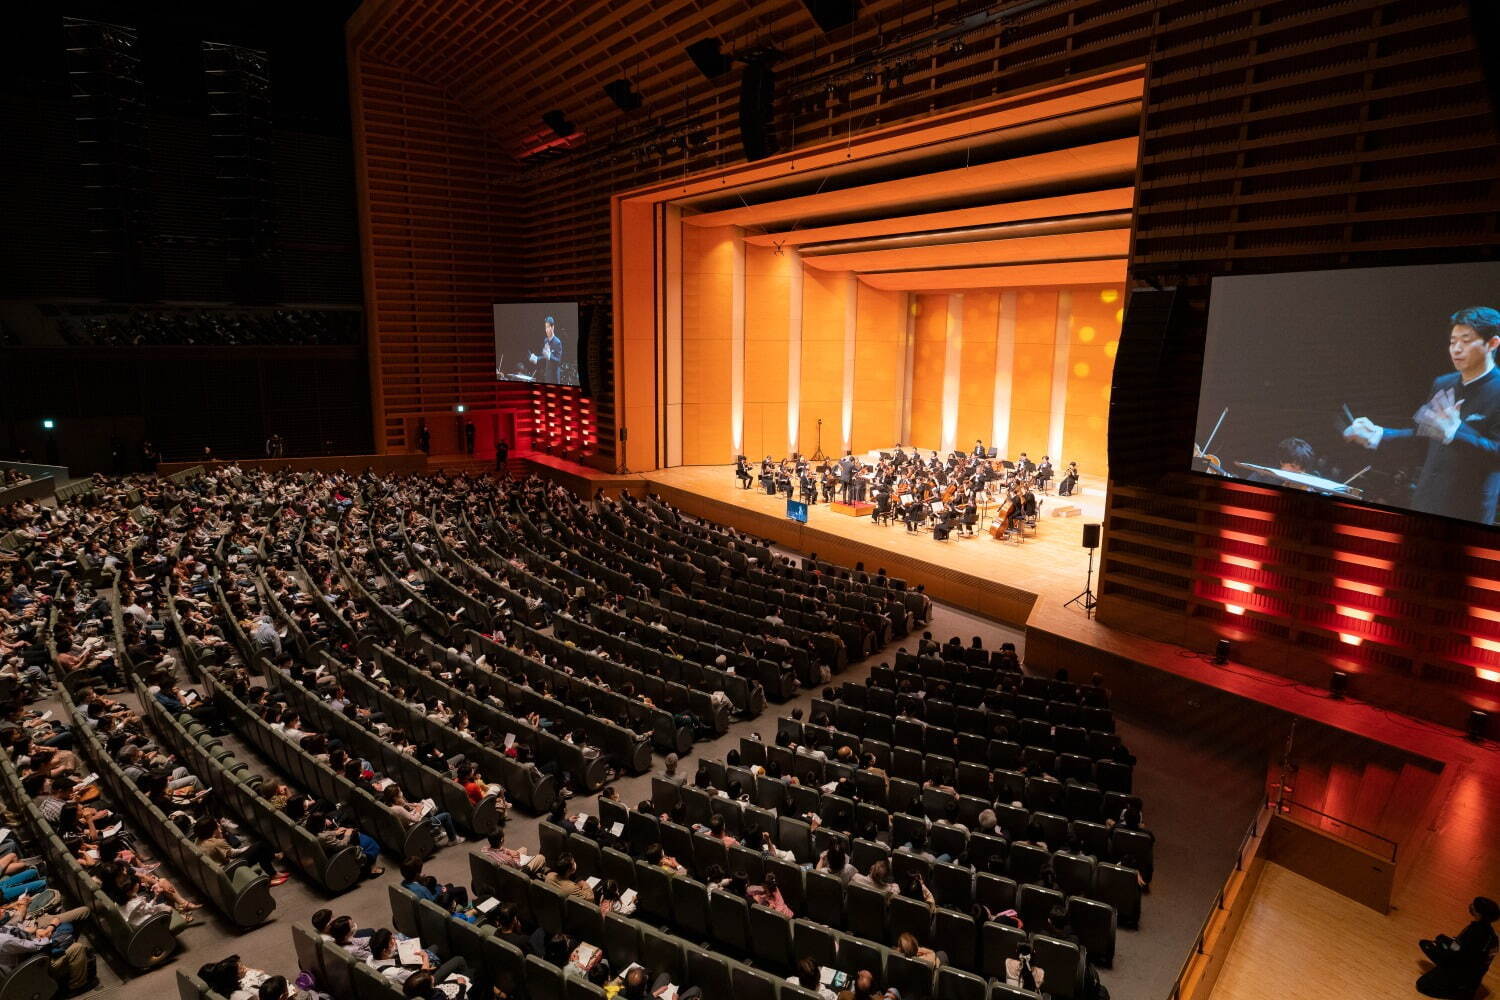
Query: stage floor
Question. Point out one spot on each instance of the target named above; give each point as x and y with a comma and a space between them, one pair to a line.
1051, 564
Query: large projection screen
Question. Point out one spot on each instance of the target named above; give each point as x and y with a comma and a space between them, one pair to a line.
1375, 385
536, 342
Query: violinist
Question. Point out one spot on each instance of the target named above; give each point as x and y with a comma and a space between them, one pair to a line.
970, 514
1044, 473
809, 485
913, 514
742, 472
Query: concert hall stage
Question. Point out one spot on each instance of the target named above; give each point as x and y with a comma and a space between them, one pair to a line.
999, 579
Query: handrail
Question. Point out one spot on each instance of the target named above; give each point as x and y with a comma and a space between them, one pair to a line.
1240, 863
1285, 806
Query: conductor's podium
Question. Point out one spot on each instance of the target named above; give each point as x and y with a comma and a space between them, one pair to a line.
860, 508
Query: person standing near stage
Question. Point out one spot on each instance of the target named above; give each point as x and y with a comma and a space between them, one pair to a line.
502, 457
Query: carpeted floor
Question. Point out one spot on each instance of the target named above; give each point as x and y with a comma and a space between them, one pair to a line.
1198, 800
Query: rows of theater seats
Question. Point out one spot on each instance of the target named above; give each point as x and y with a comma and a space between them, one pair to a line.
536, 546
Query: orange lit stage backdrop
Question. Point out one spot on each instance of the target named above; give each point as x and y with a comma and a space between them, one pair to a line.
772, 346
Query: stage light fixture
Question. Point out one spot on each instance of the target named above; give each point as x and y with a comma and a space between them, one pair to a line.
459, 408
625, 98
558, 123
49, 424
1338, 685
958, 47
711, 62
697, 139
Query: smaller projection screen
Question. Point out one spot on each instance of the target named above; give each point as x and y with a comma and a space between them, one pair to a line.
1376, 385
537, 342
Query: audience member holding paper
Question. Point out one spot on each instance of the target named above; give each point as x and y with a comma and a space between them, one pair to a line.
511, 857
477, 788
636, 983
809, 978
398, 958
425, 810
561, 877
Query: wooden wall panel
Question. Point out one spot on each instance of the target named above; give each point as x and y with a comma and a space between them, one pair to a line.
928, 358
637, 362
823, 303
708, 261
1094, 335
1031, 387
441, 244
767, 319
879, 359
976, 380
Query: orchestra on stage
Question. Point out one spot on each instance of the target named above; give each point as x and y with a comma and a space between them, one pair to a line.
963, 493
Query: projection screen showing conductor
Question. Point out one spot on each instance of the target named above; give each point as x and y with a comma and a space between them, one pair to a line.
1373, 384
536, 342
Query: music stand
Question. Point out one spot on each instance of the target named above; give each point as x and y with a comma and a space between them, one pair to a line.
994, 452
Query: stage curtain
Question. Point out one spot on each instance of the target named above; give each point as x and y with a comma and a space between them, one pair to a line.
1094, 332
1031, 387
707, 288
976, 383
767, 287
879, 356
928, 355
823, 303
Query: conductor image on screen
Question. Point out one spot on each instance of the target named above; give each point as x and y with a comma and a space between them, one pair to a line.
536, 342
1375, 385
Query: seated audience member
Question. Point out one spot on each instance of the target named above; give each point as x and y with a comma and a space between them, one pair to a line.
1460, 963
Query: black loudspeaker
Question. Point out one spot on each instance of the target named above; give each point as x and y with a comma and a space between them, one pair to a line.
1478, 725
1154, 397
558, 122
1338, 684
757, 111
706, 56
1221, 652
624, 435
1091, 536
832, 14
625, 99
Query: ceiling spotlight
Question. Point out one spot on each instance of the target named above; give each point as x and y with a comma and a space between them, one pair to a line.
958, 47
869, 77
697, 139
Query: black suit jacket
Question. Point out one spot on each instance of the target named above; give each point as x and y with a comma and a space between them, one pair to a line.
1462, 477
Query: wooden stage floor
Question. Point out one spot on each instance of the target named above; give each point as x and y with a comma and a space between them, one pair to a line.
997, 578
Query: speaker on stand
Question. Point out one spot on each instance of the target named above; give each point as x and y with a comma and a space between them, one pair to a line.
1087, 599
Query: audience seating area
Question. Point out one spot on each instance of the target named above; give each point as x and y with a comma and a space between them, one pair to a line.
482, 646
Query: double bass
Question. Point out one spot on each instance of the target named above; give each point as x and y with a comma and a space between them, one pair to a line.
1002, 515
